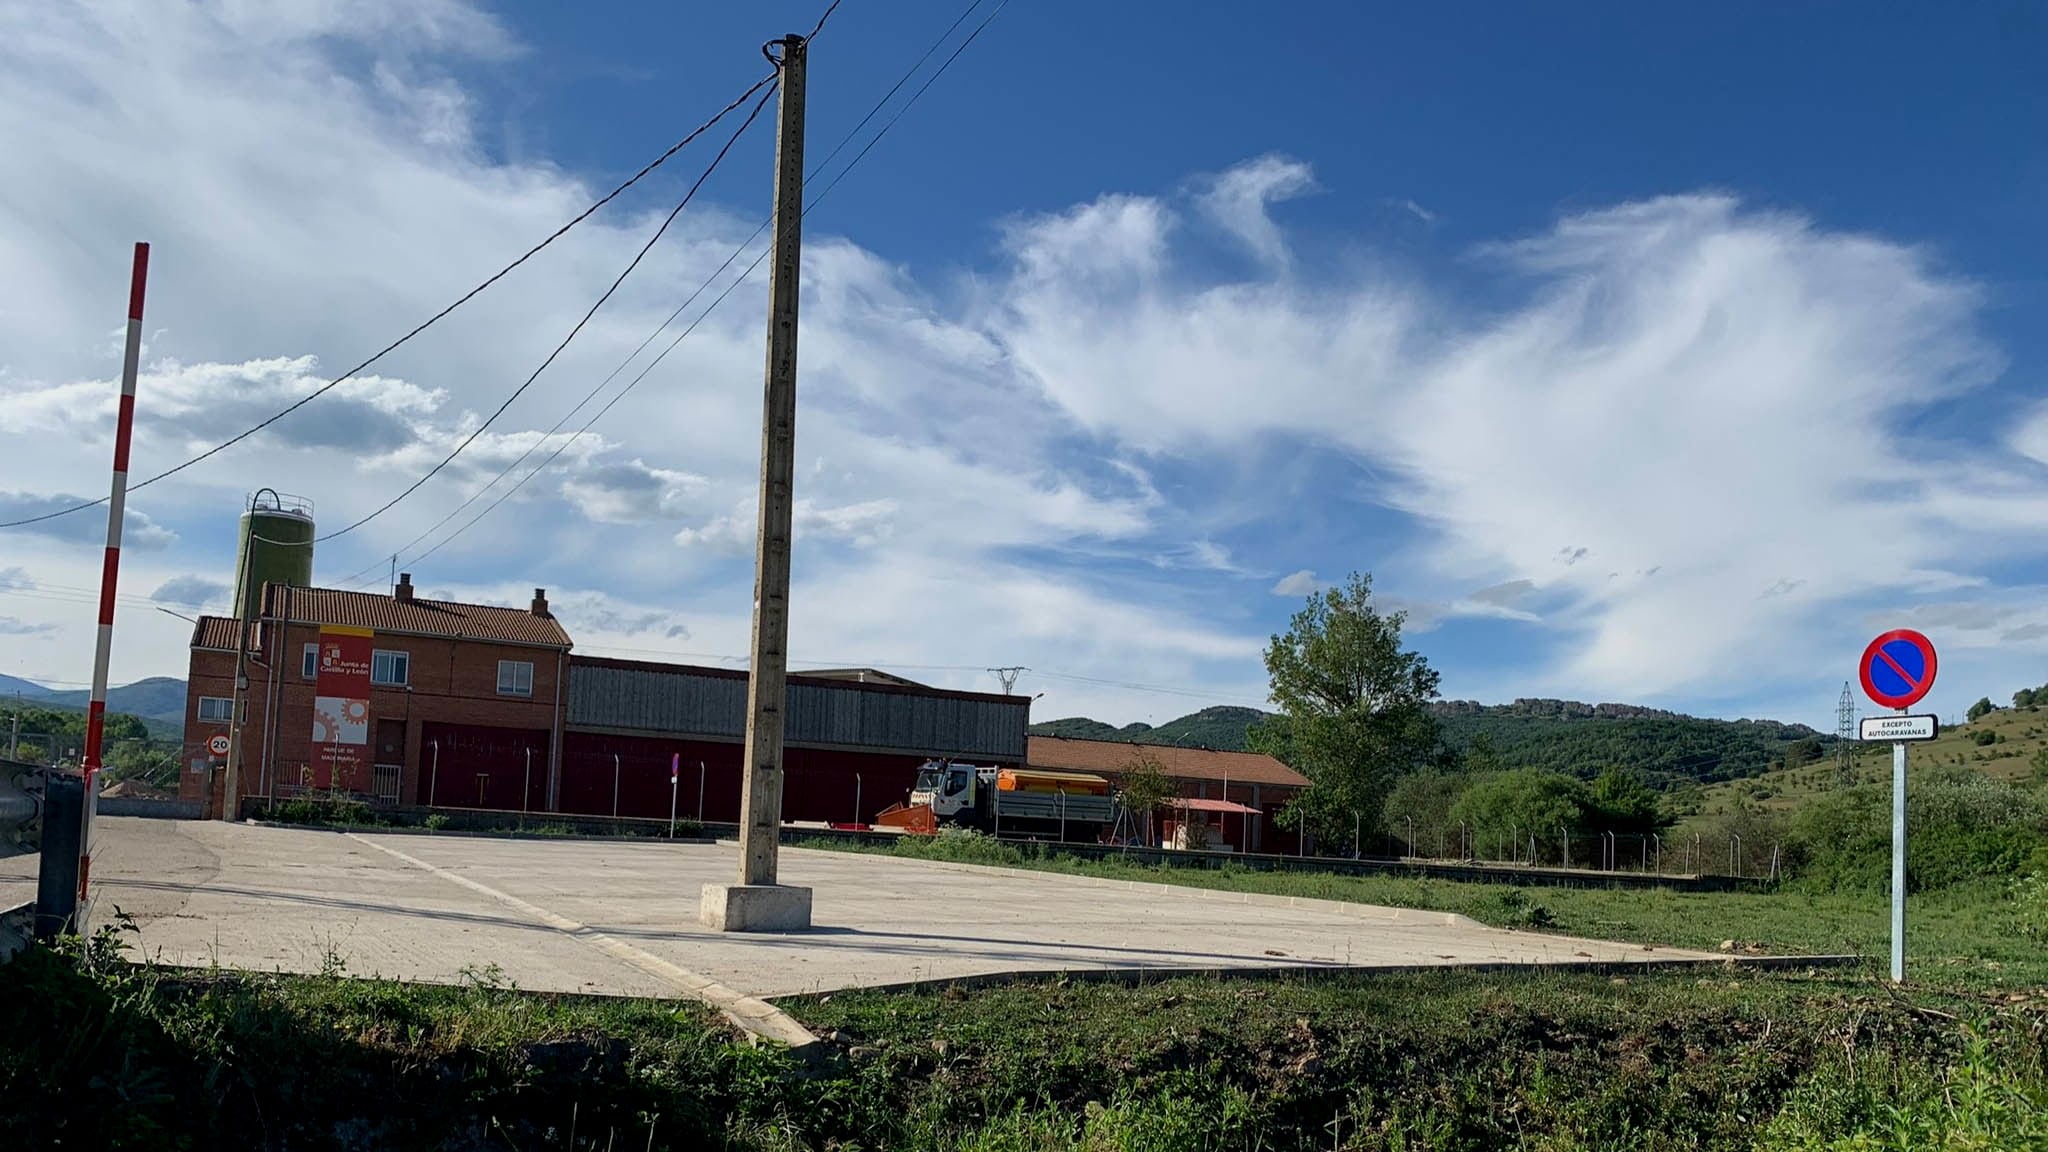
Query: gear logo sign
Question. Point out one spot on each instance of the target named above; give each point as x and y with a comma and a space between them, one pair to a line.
340, 721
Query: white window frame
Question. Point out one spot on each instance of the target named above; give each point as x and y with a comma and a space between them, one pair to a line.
309, 661
401, 658
226, 709
513, 666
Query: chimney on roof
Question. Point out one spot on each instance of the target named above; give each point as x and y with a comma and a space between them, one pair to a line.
403, 591
540, 602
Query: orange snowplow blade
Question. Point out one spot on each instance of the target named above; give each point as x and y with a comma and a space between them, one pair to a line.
918, 819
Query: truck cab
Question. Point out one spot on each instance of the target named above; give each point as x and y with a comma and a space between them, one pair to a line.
949, 790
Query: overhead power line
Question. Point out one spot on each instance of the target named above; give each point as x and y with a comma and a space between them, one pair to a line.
421, 327
708, 281
479, 430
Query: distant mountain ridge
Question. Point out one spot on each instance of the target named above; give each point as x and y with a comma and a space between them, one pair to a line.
1669, 748
1220, 728
158, 700
26, 689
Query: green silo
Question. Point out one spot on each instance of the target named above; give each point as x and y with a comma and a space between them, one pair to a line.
276, 547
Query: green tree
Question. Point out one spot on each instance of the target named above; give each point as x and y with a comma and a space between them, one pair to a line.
1620, 802
1419, 804
1802, 752
1509, 807
1480, 756
2024, 698
2038, 768
1144, 787
1354, 711
1982, 708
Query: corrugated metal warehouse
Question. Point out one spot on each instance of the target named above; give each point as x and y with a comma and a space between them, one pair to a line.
854, 740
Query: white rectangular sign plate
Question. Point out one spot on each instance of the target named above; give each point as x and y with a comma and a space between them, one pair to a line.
1897, 729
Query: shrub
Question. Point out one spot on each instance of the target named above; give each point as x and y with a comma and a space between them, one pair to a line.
960, 846
1960, 825
341, 808
2029, 912
1986, 737
1517, 910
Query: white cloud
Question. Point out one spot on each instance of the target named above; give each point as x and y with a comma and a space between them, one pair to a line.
1300, 583
629, 491
89, 527
1239, 200
193, 591
863, 525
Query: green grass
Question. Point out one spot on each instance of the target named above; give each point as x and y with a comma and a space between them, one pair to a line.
105, 1054
2016, 735
1971, 935
1449, 1060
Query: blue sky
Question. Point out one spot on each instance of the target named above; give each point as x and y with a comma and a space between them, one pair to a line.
1642, 355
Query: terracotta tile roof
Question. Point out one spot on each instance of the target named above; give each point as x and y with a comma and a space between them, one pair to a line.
418, 617
215, 632
1113, 756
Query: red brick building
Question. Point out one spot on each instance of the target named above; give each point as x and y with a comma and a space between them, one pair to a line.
472, 706
464, 699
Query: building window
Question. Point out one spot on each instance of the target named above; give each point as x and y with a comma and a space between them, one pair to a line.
216, 709
515, 678
393, 669
309, 663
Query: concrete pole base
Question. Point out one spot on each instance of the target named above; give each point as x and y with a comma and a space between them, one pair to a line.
755, 908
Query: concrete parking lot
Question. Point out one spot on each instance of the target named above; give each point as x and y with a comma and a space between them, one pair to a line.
620, 917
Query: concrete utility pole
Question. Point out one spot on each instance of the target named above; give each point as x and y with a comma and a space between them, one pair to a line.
757, 902
231, 783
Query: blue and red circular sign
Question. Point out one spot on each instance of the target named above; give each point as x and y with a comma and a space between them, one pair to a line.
1898, 668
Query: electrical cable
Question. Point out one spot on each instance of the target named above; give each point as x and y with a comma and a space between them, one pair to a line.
573, 332
808, 208
919, 63
423, 325
822, 17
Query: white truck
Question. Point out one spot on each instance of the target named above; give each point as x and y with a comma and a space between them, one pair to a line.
1025, 802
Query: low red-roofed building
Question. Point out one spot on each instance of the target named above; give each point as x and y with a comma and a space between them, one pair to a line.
1248, 779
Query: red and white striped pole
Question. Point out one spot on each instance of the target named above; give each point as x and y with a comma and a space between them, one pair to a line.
110, 571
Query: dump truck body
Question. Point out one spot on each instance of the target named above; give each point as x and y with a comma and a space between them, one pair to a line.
1006, 802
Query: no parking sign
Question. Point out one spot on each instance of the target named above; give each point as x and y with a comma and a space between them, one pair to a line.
1897, 671
1898, 668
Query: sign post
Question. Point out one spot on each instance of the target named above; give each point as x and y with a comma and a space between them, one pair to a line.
1897, 670
675, 769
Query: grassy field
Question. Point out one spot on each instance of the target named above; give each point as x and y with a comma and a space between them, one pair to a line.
2017, 735
103, 1054
1968, 936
